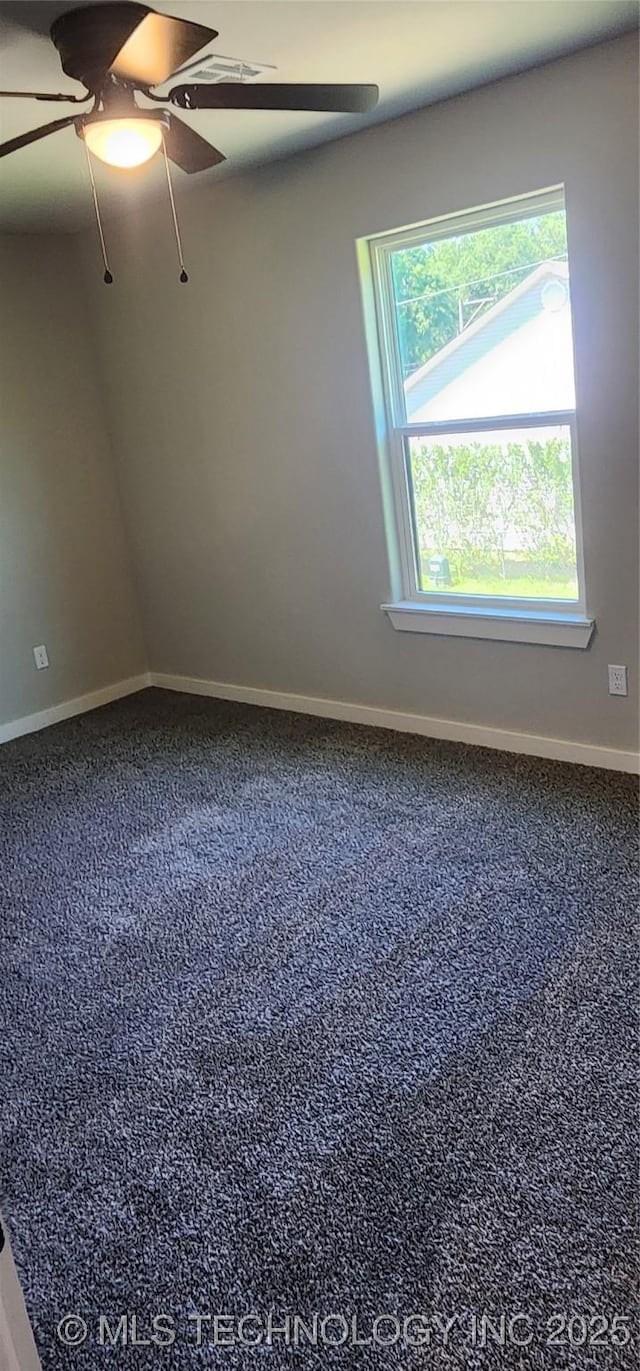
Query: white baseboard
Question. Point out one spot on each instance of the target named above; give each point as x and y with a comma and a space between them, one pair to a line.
452, 730
31, 723
560, 749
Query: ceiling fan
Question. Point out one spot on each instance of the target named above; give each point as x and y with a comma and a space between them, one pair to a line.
120, 48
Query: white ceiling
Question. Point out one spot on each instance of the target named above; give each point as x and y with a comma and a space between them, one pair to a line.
417, 52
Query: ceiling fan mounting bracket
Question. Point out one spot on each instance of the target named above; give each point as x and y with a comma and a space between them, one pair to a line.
116, 96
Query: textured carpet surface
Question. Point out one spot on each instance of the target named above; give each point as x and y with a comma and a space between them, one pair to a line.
318, 1020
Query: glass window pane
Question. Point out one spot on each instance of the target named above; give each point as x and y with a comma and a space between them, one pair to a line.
493, 513
483, 322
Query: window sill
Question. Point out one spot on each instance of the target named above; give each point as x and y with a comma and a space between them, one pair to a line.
557, 629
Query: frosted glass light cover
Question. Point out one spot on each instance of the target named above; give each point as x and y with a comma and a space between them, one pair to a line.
123, 142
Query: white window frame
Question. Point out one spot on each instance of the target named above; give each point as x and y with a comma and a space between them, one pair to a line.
558, 622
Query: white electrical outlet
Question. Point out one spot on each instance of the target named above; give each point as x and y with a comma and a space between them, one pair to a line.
617, 680
40, 654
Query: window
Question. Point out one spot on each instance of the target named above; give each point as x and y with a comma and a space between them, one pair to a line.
472, 336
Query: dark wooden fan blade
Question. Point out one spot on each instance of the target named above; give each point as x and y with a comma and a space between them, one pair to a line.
158, 45
187, 149
38, 95
90, 37
237, 95
35, 134
125, 38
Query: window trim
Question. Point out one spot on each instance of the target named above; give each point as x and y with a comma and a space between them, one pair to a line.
501, 625
564, 622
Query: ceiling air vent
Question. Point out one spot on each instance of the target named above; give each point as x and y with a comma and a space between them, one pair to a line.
215, 67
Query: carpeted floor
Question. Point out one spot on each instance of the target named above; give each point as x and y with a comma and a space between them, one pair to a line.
314, 1019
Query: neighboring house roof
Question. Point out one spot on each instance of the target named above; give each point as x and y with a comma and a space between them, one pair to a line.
517, 358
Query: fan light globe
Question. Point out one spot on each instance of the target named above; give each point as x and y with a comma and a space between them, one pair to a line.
123, 142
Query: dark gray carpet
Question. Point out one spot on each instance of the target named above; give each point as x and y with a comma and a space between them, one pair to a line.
309, 1018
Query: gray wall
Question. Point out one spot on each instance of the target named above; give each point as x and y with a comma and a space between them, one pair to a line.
242, 415
64, 567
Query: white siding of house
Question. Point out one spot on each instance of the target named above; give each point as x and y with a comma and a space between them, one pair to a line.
527, 367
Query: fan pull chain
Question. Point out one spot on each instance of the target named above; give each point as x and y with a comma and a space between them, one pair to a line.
108, 278
183, 274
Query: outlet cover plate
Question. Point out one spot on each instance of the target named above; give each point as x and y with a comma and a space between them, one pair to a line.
617, 680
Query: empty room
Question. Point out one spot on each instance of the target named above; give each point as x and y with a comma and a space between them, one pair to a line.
319, 663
